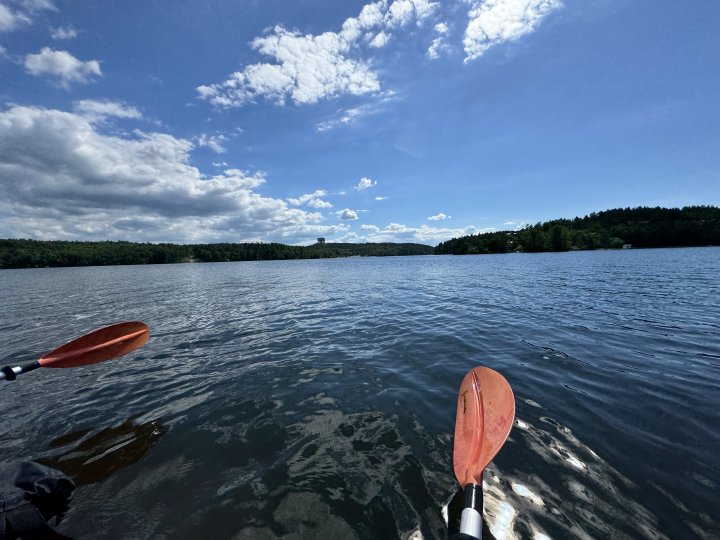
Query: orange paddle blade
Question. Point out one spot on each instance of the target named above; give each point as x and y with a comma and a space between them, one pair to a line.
485, 415
104, 344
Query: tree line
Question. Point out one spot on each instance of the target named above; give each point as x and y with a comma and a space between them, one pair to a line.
41, 253
641, 227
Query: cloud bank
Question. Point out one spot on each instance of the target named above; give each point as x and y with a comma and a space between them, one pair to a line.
61, 177
397, 232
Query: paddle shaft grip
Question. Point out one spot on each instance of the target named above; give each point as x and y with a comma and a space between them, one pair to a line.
10, 373
471, 517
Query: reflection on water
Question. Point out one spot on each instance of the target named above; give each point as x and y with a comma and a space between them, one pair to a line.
316, 399
98, 456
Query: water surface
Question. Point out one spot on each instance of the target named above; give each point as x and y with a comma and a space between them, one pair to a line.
316, 399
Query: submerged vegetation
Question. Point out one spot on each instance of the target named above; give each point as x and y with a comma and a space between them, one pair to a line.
611, 229
39, 253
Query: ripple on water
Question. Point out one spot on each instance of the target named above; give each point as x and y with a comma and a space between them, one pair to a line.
317, 398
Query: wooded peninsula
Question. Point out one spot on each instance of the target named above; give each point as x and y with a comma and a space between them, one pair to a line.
641, 227
611, 229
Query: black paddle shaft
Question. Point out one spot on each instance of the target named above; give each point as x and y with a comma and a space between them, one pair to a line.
474, 500
474, 497
10, 374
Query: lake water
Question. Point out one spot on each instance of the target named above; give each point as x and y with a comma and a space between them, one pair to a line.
316, 399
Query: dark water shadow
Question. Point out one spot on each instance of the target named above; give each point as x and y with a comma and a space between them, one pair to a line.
97, 457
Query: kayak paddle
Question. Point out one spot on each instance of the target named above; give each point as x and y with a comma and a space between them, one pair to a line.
98, 346
485, 415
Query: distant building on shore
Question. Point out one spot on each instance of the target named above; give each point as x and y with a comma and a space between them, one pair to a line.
627, 246
321, 241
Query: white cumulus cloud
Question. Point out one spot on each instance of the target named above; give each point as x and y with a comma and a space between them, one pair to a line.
213, 142
63, 32
439, 217
10, 20
13, 18
319, 203
61, 178
401, 12
313, 200
63, 65
347, 214
380, 40
365, 183
497, 21
439, 44
398, 232
309, 68
306, 68
99, 110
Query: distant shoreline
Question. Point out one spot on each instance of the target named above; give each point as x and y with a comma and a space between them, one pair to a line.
3, 265
635, 228
60, 253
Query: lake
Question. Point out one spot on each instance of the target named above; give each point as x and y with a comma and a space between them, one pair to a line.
316, 398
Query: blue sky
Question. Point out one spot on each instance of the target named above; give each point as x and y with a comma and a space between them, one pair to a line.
404, 120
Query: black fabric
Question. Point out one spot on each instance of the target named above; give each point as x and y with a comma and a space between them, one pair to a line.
30, 495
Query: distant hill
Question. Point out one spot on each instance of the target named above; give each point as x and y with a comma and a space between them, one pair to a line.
641, 227
38, 253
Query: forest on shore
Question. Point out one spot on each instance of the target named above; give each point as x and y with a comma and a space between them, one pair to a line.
50, 253
641, 227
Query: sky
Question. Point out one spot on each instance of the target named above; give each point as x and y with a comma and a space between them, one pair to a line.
357, 121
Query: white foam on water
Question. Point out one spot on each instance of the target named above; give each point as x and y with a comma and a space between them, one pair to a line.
575, 462
502, 528
561, 450
523, 491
